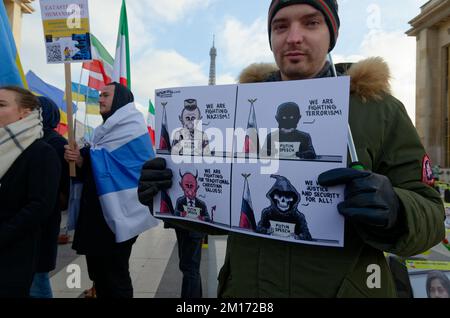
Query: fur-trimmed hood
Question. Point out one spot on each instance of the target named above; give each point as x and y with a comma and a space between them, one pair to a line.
369, 78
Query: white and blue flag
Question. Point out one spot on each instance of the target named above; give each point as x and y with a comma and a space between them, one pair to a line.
119, 149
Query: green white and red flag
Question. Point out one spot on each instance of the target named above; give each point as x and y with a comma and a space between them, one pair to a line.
151, 122
101, 67
121, 72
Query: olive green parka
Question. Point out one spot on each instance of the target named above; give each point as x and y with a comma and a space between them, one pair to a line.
388, 144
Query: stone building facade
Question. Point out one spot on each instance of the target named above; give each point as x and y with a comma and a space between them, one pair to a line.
432, 31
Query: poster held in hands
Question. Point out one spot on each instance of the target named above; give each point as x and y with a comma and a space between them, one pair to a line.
246, 158
67, 40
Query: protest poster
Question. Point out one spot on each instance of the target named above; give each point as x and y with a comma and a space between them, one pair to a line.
67, 40
425, 275
429, 279
66, 30
223, 174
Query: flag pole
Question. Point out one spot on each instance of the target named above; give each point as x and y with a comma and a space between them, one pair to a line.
85, 123
350, 142
68, 76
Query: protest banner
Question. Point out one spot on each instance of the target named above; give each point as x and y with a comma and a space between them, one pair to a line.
246, 157
67, 40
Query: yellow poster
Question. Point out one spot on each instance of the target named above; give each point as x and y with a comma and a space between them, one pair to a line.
66, 30
427, 265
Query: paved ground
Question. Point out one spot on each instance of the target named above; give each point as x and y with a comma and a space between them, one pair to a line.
153, 266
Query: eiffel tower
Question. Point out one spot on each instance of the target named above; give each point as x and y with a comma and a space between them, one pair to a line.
212, 68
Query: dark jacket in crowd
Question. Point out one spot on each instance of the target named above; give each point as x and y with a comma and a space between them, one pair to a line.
92, 234
51, 226
28, 194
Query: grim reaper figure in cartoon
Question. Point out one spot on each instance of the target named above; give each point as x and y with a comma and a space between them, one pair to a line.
282, 217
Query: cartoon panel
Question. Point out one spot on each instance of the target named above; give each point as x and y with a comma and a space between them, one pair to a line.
303, 123
200, 192
287, 204
194, 120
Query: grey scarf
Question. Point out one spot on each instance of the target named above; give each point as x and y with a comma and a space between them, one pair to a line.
17, 137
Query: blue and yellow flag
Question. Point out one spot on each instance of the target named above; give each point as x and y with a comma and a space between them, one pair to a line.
39, 87
87, 95
11, 72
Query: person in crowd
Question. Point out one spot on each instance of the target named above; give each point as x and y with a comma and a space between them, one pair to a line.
30, 173
388, 207
41, 287
108, 225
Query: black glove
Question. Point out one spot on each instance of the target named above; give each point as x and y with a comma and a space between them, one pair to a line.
154, 178
369, 197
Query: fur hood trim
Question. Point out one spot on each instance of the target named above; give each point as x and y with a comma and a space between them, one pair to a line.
369, 78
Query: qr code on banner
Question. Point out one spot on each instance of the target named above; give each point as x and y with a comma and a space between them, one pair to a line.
54, 52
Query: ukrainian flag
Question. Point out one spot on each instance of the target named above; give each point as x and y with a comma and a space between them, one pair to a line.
39, 87
11, 72
87, 95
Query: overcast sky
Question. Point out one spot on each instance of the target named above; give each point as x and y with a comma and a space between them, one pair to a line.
170, 40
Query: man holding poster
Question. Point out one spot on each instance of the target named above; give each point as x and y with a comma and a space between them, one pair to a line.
389, 207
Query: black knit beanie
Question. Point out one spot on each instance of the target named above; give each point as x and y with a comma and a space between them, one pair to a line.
329, 8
